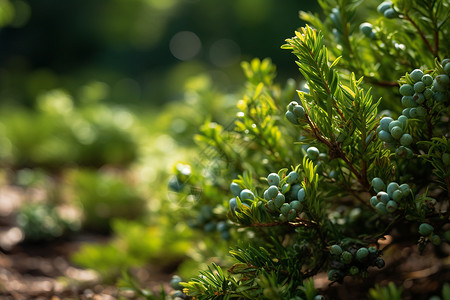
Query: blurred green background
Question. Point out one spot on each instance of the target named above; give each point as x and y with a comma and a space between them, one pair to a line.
142, 49
99, 103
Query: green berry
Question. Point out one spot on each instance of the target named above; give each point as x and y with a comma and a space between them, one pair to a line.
406, 140
299, 111
291, 214
354, 270
436, 240
266, 195
235, 189
313, 153
346, 257
425, 229
291, 105
233, 204
421, 111
336, 250
292, 117
372, 250
419, 98
301, 195
416, 75
246, 194
384, 6
419, 87
393, 186
405, 112
374, 201
378, 184
294, 190
390, 13
413, 113
442, 79
391, 206
273, 179
397, 132
397, 195
285, 188
394, 123
385, 136
405, 189
408, 101
428, 94
285, 208
272, 191
427, 79
406, 90
292, 177
437, 87
447, 68
271, 205
319, 297
279, 200
401, 151
282, 218
362, 253
366, 28
384, 123
175, 283
297, 205
381, 208
334, 275
403, 120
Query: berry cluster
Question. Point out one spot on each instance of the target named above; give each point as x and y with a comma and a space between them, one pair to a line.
284, 197
243, 194
427, 231
352, 261
387, 10
367, 29
295, 112
208, 222
392, 133
387, 199
178, 288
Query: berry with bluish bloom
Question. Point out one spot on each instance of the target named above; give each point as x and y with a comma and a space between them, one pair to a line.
425, 229
362, 253
266, 195
334, 275
272, 191
273, 179
285, 208
394, 124
381, 208
378, 184
403, 120
279, 200
313, 153
235, 189
299, 111
271, 205
291, 214
443, 79
374, 201
416, 75
372, 250
319, 297
233, 204
291, 117
294, 190
397, 195
297, 205
383, 197
397, 132
175, 283
291, 105
292, 177
406, 140
385, 136
408, 101
246, 194
301, 195
390, 13
393, 186
335, 250
391, 206
406, 90
427, 79
384, 123
366, 28
384, 6
419, 87
405, 189
419, 98
413, 112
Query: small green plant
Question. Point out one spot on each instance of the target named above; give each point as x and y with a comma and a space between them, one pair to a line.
312, 180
